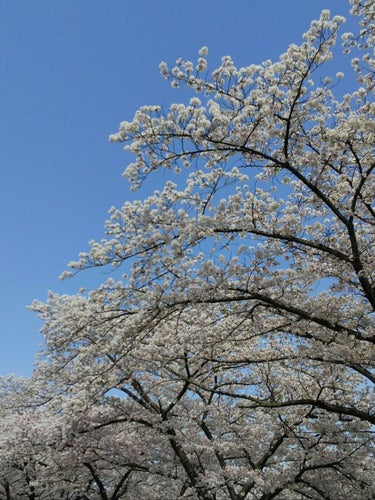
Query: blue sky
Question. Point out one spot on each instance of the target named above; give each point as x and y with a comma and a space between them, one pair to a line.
70, 71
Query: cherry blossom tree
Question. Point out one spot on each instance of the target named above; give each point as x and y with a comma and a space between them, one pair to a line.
27, 435
231, 355
51, 454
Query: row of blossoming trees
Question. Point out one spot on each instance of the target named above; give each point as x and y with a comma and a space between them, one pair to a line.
231, 355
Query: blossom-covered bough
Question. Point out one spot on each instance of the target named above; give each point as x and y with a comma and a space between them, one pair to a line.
232, 353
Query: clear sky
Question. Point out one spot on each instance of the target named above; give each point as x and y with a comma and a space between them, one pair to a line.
70, 71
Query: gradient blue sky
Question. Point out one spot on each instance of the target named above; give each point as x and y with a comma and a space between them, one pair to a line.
70, 72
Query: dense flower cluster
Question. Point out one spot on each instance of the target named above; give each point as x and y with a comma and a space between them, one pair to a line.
232, 354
